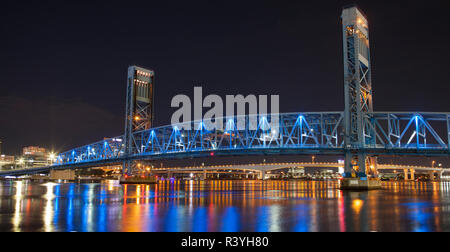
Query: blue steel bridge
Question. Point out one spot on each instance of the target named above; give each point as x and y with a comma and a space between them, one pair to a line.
358, 133
417, 134
297, 133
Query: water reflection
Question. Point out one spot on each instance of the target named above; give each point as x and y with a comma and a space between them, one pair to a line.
18, 207
226, 206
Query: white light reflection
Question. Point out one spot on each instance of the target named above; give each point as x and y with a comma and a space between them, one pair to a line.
313, 226
111, 184
138, 194
48, 211
90, 222
191, 189
275, 218
17, 216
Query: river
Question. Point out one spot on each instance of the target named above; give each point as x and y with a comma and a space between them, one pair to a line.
223, 206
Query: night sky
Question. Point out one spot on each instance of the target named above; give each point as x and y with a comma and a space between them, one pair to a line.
64, 64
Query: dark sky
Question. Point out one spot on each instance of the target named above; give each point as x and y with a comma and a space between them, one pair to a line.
64, 64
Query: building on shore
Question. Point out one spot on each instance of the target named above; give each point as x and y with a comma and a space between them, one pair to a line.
35, 156
6, 162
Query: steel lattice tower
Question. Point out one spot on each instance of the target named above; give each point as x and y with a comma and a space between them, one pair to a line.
139, 109
357, 87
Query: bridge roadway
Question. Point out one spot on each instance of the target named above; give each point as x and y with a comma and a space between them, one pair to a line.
243, 167
277, 166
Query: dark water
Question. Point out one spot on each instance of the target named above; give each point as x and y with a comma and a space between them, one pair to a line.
223, 206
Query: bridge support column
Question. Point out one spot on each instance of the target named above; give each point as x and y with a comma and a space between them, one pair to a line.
405, 171
362, 163
348, 166
413, 177
205, 175
262, 175
439, 175
372, 169
431, 174
127, 168
366, 165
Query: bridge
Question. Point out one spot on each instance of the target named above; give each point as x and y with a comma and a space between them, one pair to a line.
358, 133
297, 133
408, 170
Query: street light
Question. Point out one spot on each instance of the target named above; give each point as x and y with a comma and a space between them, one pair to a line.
21, 162
51, 157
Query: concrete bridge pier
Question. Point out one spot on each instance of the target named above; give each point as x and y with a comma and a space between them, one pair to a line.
409, 174
205, 175
438, 175
406, 175
262, 175
431, 174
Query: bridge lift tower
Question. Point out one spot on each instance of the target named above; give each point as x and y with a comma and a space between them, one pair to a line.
139, 110
358, 91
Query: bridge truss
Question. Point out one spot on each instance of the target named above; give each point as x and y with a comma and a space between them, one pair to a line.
297, 133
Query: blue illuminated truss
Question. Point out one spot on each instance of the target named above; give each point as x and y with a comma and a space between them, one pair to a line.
386, 133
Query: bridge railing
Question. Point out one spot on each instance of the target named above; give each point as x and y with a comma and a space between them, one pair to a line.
408, 131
